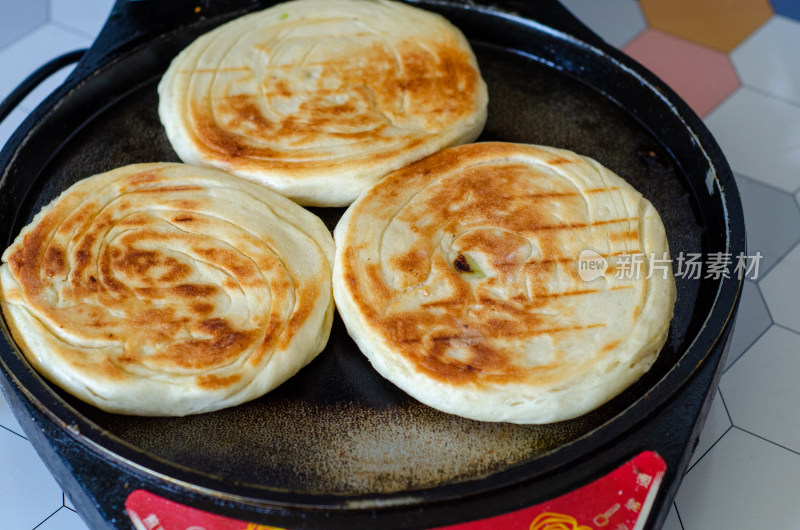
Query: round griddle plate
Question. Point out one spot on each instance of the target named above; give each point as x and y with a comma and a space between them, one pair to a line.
339, 427
338, 435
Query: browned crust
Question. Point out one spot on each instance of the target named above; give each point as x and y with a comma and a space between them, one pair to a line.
486, 203
134, 292
432, 84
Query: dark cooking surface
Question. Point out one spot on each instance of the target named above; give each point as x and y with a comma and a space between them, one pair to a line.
338, 427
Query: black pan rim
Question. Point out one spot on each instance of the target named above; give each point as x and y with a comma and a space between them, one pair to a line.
718, 319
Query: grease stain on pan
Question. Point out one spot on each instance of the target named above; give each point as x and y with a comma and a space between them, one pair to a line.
405, 448
343, 448
360, 450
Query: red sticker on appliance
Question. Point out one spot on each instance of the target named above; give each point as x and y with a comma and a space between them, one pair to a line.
152, 512
621, 500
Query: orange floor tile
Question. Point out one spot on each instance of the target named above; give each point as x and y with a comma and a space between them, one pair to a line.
719, 24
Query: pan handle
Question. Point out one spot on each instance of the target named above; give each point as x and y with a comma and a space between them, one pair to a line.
35, 79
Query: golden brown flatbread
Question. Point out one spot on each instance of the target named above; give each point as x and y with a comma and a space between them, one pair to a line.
317, 99
169, 289
460, 279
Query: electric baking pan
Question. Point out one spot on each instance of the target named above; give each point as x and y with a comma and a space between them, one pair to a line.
337, 446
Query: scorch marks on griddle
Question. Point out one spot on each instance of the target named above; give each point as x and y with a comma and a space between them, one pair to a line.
343, 448
456, 327
408, 447
131, 279
387, 97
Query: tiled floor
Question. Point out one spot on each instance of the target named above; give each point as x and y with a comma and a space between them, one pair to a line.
743, 79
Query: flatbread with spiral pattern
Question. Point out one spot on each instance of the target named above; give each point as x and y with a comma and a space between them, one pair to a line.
318, 99
458, 277
169, 289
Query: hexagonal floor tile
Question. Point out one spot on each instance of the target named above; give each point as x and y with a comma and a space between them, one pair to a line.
718, 24
28, 492
743, 482
752, 321
772, 221
672, 522
616, 21
85, 16
765, 379
781, 290
787, 8
702, 77
768, 59
717, 424
20, 19
7, 418
63, 519
766, 149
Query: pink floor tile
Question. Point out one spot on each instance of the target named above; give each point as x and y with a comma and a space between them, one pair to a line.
701, 76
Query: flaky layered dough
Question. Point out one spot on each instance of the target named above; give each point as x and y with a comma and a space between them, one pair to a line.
169, 289
318, 99
458, 278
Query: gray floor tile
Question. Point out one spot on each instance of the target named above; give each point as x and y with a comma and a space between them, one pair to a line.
717, 424
673, 522
28, 492
744, 482
20, 17
758, 135
616, 21
772, 220
64, 519
84, 16
751, 321
781, 290
763, 382
768, 59
7, 418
